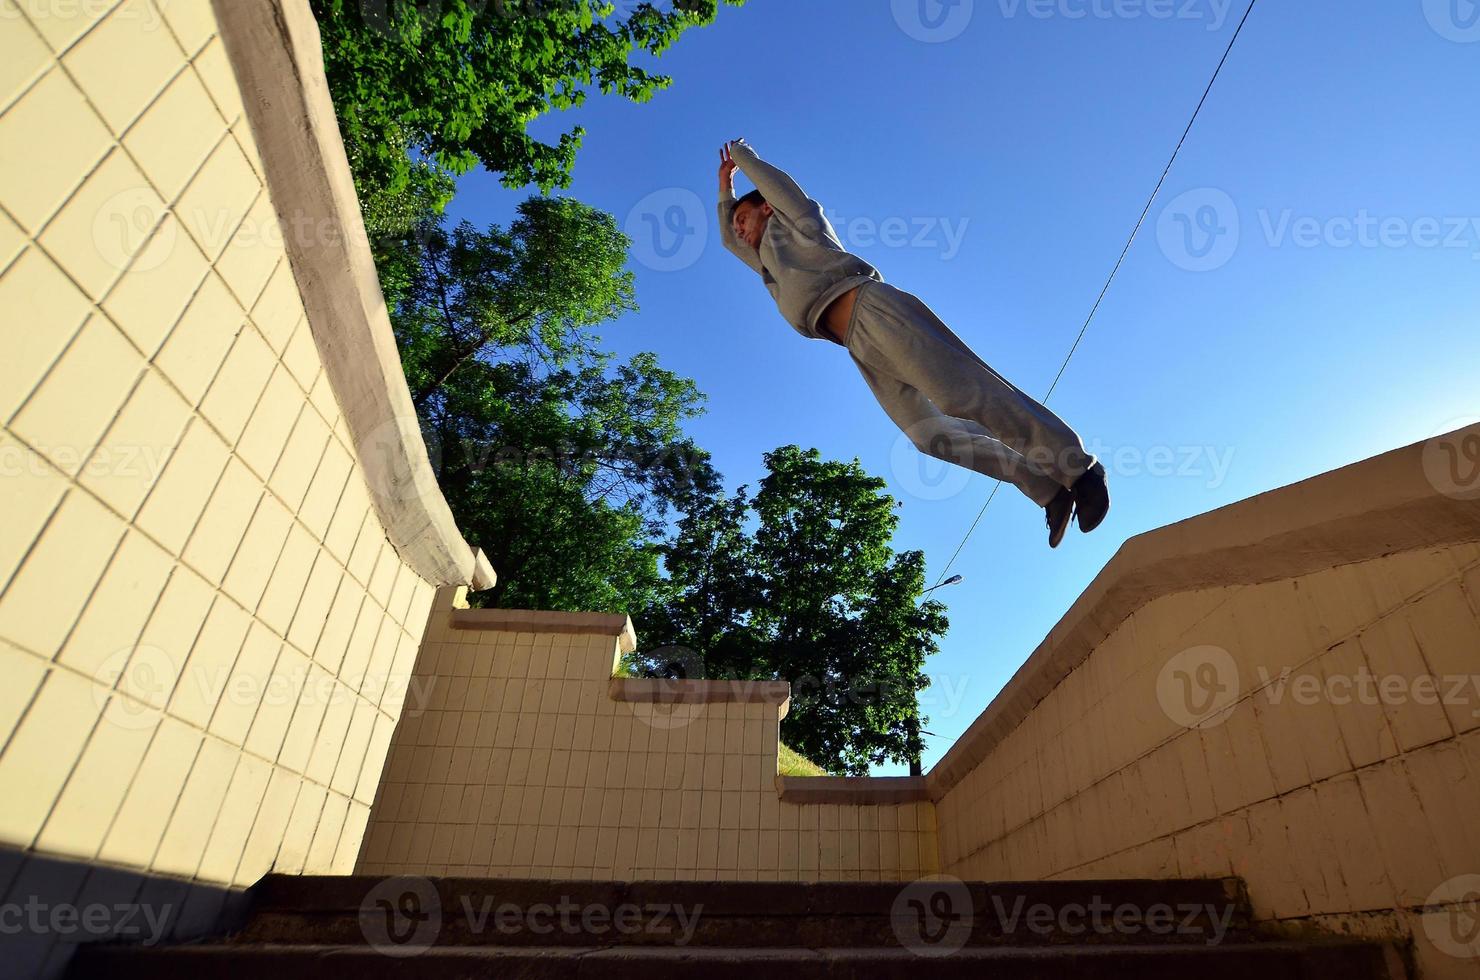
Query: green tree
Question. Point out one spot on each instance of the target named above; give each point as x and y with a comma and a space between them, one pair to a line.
559, 267
560, 465
428, 89
816, 596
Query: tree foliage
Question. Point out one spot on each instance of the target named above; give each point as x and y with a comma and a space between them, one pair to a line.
428, 89
560, 465
813, 595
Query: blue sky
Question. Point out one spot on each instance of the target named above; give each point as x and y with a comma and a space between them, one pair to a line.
1304, 293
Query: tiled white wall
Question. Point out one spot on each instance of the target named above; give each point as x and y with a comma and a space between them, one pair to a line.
202, 624
512, 760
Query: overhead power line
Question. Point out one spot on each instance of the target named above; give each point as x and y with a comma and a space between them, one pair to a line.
1118, 262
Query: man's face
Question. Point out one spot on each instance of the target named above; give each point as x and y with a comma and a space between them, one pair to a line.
750, 223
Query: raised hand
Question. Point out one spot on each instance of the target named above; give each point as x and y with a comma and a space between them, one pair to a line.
727, 167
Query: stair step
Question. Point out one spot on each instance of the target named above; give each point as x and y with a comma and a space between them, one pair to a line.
1267, 961
347, 892
338, 911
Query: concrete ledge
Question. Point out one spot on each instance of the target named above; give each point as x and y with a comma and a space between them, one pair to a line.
275, 53
1379, 506
852, 790
483, 574
660, 690
616, 625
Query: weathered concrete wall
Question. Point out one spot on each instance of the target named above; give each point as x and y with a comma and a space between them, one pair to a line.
514, 758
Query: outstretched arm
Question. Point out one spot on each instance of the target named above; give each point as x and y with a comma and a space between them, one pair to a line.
727, 234
775, 185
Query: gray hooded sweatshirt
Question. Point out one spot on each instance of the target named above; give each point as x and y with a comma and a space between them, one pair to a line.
801, 261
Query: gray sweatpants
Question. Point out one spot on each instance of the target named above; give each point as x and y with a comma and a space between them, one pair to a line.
953, 406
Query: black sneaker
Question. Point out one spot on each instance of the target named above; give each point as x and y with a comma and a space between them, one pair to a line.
1091, 498
1058, 513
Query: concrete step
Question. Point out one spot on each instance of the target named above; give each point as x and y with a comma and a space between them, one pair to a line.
1267, 961
343, 911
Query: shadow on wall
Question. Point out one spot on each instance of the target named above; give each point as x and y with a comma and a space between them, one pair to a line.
52, 905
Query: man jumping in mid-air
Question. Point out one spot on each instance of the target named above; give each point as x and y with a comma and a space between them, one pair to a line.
945, 398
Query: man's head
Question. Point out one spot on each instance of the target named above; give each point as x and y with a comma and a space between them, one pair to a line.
751, 214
